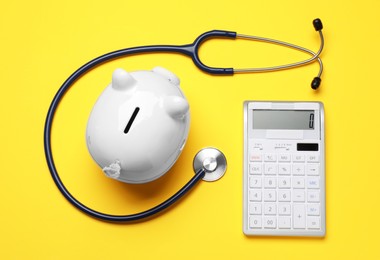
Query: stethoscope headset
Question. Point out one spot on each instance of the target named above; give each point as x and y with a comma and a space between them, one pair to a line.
209, 164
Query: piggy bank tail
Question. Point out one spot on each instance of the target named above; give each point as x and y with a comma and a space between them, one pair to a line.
113, 170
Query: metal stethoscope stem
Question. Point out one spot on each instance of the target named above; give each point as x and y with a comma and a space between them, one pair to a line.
315, 55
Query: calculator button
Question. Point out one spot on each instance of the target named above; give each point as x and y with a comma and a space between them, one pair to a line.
255, 208
313, 210
254, 157
312, 158
298, 183
270, 158
284, 222
270, 209
298, 196
312, 169
298, 169
255, 222
313, 196
284, 195
269, 222
254, 195
298, 158
312, 183
313, 223
284, 209
270, 183
299, 220
270, 169
254, 182
284, 169
269, 195
284, 182
284, 158
255, 168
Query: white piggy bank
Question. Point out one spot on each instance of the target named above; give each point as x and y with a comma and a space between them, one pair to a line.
139, 125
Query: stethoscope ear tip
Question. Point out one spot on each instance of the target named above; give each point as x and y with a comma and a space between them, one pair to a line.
317, 24
315, 83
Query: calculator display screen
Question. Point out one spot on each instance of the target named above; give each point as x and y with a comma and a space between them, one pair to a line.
283, 119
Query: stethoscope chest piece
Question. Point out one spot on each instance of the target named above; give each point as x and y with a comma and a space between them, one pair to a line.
212, 161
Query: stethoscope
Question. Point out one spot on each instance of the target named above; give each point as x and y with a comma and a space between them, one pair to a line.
209, 164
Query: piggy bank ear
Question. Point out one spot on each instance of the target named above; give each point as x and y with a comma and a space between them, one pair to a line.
122, 80
170, 76
176, 107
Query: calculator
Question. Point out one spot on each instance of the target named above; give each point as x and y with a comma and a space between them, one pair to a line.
284, 169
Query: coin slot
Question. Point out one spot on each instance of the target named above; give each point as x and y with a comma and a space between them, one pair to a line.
130, 122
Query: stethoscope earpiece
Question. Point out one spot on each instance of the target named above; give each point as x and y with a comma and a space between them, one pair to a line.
315, 83
317, 24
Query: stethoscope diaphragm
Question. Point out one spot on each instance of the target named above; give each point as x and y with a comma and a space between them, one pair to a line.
212, 161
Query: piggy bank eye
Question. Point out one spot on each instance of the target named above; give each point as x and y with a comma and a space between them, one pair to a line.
130, 122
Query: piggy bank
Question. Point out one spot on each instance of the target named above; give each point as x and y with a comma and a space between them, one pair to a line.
139, 125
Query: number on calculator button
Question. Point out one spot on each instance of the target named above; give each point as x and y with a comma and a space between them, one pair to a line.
270, 222
255, 222
270, 209
269, 195
254, 195
284, 182
255, 182
284, 210
255, 208
284, 195
270, 183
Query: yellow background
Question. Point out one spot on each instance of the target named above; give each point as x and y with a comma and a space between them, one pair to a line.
43, 42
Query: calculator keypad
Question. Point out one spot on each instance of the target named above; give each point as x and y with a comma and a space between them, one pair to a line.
284, 191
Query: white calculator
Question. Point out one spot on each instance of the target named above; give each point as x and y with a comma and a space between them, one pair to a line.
284, 169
